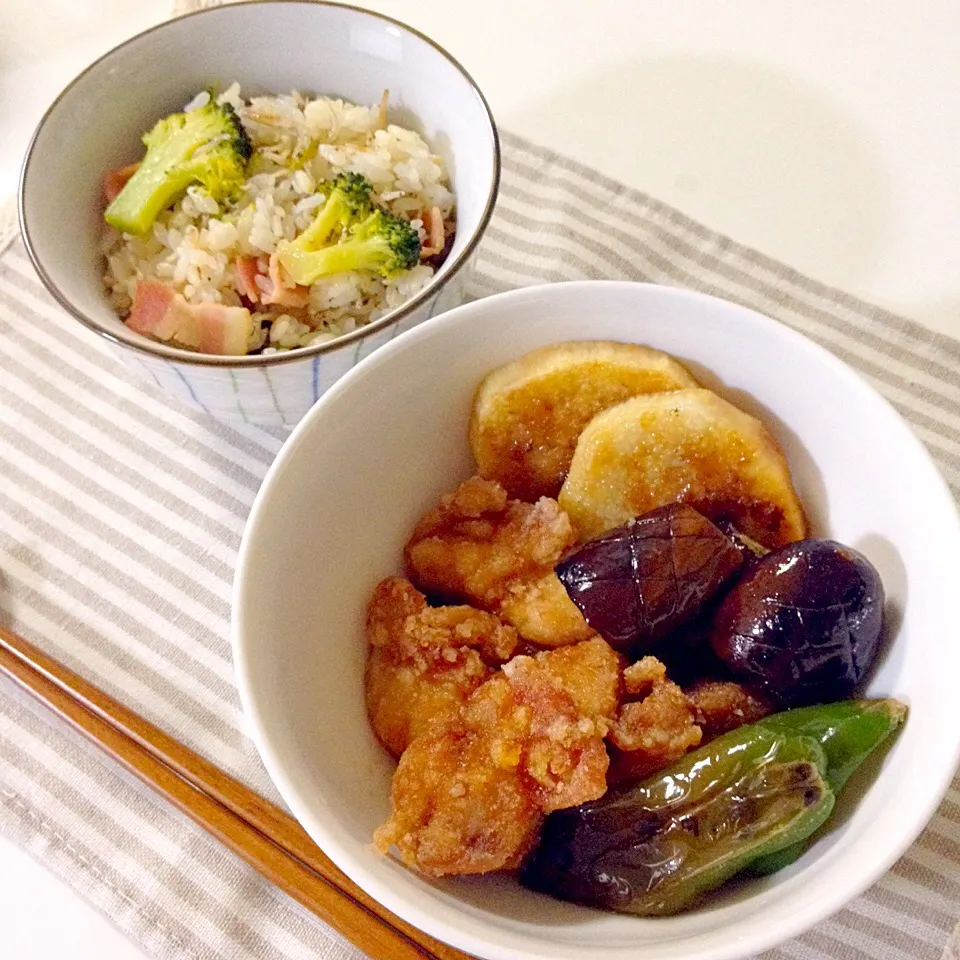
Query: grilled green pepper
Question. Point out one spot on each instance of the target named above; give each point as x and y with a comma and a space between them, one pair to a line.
849, 731
652, 848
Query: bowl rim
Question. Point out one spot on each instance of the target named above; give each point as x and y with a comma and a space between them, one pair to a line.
746, 943
165, 352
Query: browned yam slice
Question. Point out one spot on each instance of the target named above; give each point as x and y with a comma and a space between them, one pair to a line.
528, 414
689, 446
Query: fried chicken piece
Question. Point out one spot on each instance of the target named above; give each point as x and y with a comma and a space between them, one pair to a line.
530, 740
588, 672
424, 662
641, 677
571, 693
476, 542
477, 546
722, 705
543, 613
651, 732
459, 804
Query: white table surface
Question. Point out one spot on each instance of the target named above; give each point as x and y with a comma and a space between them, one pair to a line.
825, 134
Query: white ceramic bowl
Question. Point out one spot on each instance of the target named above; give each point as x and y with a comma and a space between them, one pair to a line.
378, 449
95, 126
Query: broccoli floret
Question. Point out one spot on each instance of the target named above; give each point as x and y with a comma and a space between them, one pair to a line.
348, 200
207, 145
381, 243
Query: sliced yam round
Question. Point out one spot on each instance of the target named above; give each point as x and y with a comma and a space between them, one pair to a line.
528, 414
689, 446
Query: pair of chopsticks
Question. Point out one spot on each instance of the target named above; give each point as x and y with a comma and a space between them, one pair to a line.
262, 834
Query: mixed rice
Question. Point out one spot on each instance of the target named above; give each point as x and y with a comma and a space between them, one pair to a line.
207, 251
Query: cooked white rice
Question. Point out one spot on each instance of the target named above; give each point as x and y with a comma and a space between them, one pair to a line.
299, 142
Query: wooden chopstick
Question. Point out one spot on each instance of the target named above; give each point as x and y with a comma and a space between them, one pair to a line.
262, 834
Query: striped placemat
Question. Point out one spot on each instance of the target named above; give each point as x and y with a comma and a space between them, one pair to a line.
120, 516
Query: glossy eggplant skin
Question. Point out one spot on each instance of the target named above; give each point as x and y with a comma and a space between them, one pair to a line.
641, 581
750, 550
654, 847
803, 623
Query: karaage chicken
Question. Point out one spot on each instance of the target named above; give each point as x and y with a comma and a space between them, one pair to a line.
721, 705
656, 724
471, 799
424, 662
480, 547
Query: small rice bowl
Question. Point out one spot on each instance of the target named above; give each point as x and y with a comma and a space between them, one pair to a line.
299, 143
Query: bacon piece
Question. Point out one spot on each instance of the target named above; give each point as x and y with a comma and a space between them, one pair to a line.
247, 272
433, 224
153, 312
160, 312
275, 289
220, 329
116, 180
